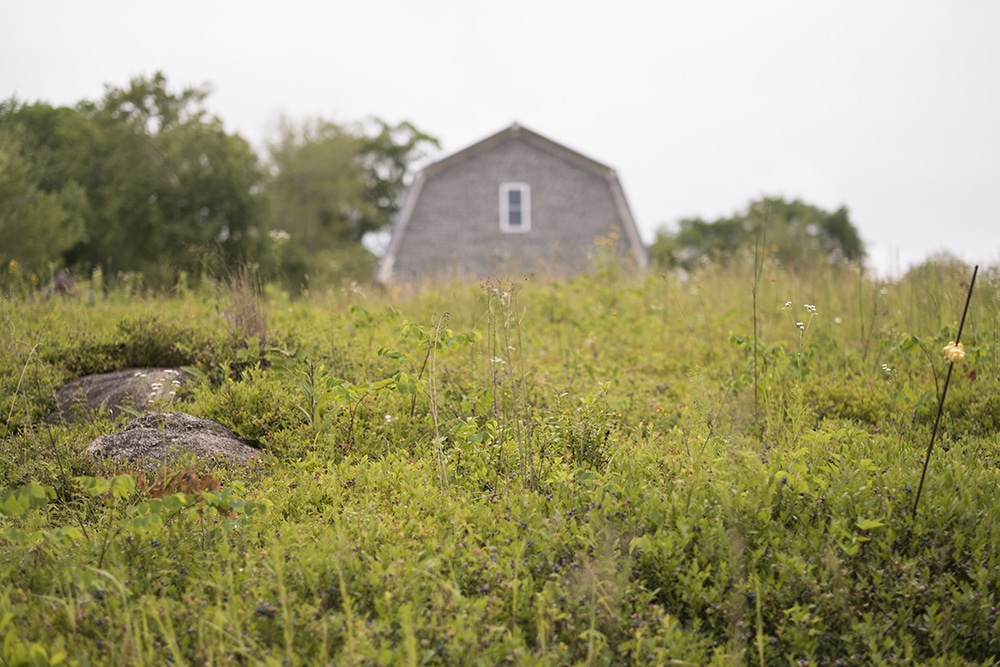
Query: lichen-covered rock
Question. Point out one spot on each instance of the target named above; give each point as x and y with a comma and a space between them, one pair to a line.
140, 389
157, 437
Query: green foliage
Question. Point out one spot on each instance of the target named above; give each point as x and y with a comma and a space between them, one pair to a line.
144, 342
147, 185
19, 653
795, 233
38, 225
253, 407
175, 186
19, 501
330, 185
568, 473
161, 186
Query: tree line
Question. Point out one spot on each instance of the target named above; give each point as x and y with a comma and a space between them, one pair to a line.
146, 180
796, 234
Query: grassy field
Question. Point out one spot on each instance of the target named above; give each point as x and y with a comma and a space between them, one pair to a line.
609, 470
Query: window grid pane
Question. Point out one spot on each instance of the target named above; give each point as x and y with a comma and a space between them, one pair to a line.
515, 207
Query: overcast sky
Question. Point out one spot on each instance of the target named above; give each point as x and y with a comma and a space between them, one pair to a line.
889, 108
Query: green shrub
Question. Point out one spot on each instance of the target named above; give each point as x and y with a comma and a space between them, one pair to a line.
583, 474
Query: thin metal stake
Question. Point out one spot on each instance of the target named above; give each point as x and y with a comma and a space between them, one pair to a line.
944, 392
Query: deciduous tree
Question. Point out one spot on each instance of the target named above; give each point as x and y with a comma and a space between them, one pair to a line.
796, 234
174, 186
165, 185
39, 221
330, 185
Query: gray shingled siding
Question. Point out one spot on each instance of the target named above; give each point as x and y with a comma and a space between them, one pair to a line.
454, 229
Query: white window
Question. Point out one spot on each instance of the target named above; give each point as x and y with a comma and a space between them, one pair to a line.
515, 207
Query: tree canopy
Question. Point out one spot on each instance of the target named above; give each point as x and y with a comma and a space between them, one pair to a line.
162, 182
145, 179
794, 232
37, 223
331, 184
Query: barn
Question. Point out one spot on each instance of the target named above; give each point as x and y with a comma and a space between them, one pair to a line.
512, 203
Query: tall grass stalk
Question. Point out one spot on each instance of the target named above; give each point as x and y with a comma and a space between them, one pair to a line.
167, 632
432, 392
760, 622
504, 339
20, 382
758, 268
512, 321
247, 307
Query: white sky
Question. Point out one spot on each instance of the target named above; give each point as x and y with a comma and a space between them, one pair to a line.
890, 108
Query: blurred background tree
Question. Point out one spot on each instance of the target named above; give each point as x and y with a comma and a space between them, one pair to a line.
331, 184
146, 180
165, 186
797, 235
39, 222
172, 189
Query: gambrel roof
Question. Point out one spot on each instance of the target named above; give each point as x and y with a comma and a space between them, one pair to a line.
549, 160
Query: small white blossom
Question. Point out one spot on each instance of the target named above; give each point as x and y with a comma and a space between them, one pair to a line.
811, 308
801, 326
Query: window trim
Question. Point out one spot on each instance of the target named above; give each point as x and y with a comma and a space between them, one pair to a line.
525, 190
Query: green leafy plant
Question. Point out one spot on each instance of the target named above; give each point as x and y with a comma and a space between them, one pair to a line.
585, 481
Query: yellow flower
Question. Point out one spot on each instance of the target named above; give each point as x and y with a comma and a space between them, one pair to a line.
953, 353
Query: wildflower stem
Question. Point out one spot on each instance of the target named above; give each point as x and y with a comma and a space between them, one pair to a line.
432, 391
944, 392
758, 268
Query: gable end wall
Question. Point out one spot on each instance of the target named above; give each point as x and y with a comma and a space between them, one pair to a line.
453, 228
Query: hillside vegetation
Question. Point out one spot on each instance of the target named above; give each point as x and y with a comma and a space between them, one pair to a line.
609, 470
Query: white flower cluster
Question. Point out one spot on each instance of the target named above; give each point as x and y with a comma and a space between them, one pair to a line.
156, 388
